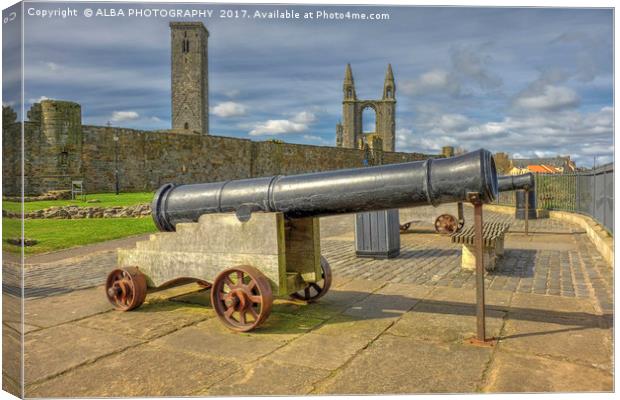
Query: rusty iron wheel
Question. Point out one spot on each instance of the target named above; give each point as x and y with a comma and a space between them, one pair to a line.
126, 288
315, 290
404, 227
241, 297
446, 224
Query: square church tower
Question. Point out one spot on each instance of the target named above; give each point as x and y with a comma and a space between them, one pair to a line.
190, 77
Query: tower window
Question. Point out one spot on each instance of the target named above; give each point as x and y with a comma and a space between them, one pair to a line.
349, 93
185, 46
186, 125
389, 92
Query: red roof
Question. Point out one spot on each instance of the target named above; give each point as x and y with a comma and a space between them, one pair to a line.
543, 169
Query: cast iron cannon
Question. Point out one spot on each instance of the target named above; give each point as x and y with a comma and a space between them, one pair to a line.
249, 239
507, 183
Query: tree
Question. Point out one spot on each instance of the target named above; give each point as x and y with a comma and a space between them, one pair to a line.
502, 163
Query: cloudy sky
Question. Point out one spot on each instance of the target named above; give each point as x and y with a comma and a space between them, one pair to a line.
531, 82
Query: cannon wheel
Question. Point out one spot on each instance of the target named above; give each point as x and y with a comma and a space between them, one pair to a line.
446, 224
241, 297
126, 288
316, 290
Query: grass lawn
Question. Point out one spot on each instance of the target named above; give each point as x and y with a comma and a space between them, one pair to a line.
56, 234
106, 200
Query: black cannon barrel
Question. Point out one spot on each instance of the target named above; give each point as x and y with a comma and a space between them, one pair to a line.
507, 183
433, 181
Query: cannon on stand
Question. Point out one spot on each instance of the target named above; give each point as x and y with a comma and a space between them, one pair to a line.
524, 186
251, 239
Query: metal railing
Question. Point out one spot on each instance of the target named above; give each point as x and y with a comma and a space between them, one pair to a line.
590, 193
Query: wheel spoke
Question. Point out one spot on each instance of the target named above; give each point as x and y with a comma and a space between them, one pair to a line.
316, 287
229, 311
253, 312
239, 277
242, 316
251, 285
255, 299
228, 282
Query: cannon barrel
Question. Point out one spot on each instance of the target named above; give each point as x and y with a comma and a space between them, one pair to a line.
433, 181
507, 183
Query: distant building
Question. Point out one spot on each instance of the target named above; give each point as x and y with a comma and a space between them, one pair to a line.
538, 169
549, 165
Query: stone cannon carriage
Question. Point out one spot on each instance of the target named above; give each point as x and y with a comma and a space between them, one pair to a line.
251, 239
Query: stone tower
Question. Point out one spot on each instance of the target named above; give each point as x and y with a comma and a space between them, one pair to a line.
190, 77
57, 152
349, 132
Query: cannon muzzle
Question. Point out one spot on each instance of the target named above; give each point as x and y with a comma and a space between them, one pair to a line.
507, 183
433, 181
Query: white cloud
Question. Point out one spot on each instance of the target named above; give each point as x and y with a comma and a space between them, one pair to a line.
229, 109
298, 123
549, 98
431, 81
40, 99
582, 135
304, 117
52, 66
122, 116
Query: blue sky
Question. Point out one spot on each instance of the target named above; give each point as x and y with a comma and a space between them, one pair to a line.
529, 81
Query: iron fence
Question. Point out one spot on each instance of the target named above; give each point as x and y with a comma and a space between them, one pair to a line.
590, 193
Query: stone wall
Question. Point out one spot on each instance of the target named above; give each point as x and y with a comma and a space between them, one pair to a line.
148, 159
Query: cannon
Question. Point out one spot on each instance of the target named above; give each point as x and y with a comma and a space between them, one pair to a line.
251, 239
524, 185
507, 183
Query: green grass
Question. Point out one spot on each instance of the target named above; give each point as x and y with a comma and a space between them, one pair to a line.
106, 200
57, 234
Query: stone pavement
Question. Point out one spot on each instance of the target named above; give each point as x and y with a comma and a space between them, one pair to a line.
387, 326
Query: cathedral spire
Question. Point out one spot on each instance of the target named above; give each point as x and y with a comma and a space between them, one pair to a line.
348, 86
389, 87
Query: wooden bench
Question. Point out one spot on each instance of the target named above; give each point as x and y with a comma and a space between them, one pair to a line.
493, 244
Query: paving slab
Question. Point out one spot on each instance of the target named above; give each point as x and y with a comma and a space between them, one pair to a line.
150, 320
11, 353
575, 341
402, 365
55, 310
142, 371
352, 327
381, 306
211, 338
416, 292
267, 378
49, 352
439, 322
572, 307
286, 327
458, 296
12, 310
320, 351
525, 373
201, 297
11, 386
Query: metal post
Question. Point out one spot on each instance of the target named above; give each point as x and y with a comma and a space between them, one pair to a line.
480, 317
527, 209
